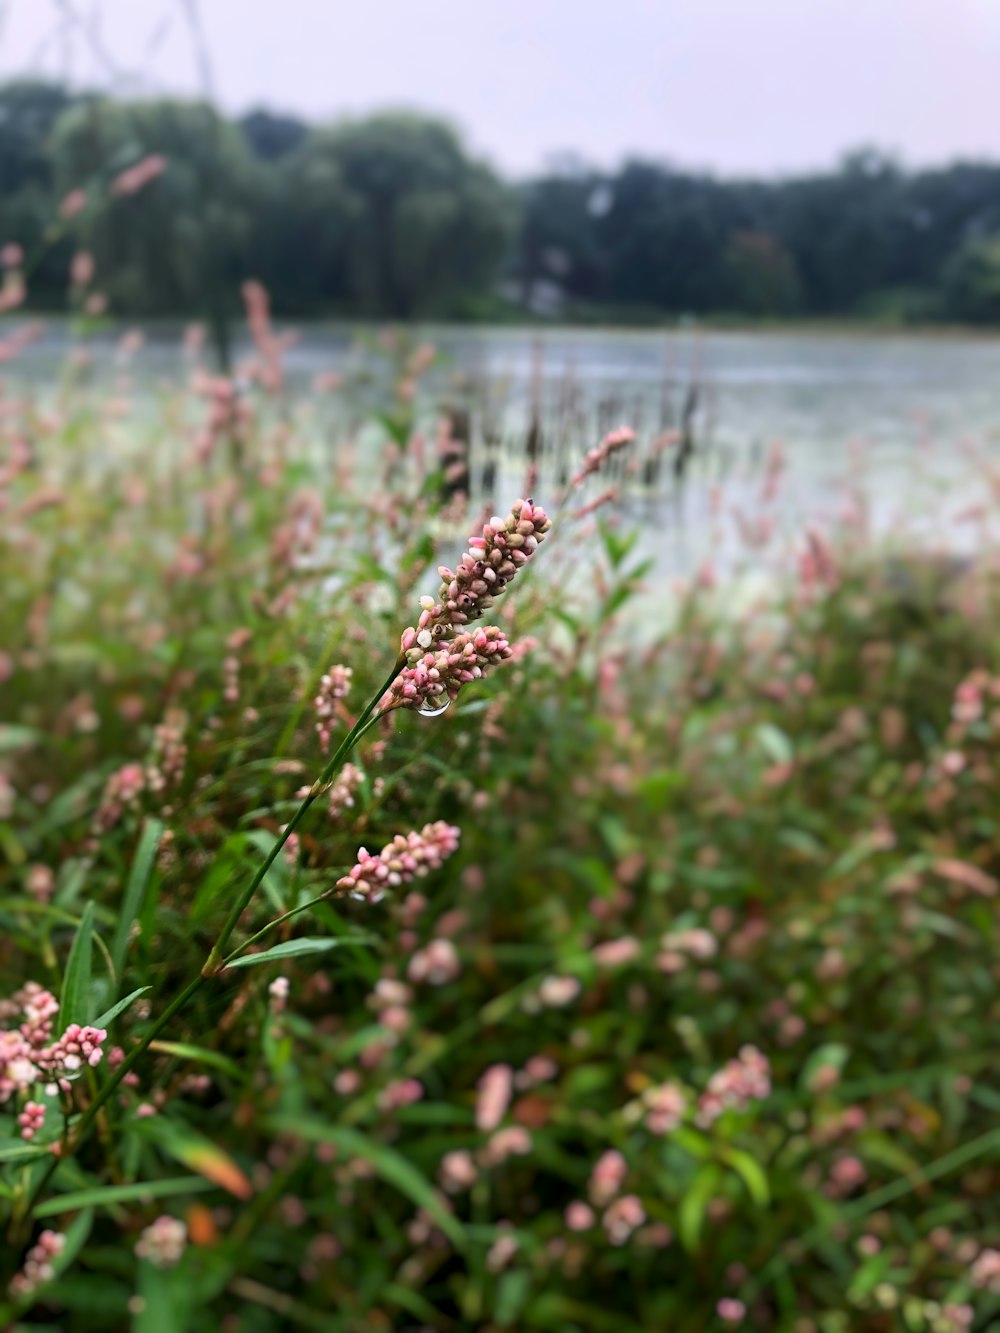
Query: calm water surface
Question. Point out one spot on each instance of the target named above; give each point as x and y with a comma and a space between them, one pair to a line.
911, 422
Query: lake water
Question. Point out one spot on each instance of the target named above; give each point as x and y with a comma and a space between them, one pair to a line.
912, 421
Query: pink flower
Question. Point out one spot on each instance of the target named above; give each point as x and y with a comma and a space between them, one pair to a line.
611, 444
457, 1171
31, 1119
615, 953
985, 1272
436, 964
495, 1089
966, 875
137, 177
579, 1216
434, 678
622, 1217
75, 202
665, 1107
11, 255
511, 1141
484, 571
731, 1310
163, 1241
607, 1177
82, 268
400, 861
735, 1086
38, 1264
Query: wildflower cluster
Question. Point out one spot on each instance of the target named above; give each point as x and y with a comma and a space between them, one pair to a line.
436, 677
406, 858
733, 1087
38, 1264
440, 656
162, 1242
29, 1056
612, 443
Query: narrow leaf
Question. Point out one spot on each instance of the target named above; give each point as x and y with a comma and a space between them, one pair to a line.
183, 1050
103, 1196
75, 1000
197, 1153
135, 890
110, 1014
751, 1173
16, 1150
390, 1165
295, 949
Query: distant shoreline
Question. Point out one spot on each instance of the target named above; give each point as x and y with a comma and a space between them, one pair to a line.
169, 325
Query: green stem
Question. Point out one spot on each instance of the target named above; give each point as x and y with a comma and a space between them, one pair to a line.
278, 920
89, 1117
214, 961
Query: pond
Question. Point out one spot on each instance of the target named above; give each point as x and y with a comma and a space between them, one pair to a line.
900, 427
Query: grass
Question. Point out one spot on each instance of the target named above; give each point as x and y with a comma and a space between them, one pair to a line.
505, 1096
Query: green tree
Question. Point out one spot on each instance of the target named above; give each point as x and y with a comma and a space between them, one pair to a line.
179, 243
416, 227
972, 280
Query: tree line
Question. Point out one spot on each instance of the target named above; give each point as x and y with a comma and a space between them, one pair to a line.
391, 216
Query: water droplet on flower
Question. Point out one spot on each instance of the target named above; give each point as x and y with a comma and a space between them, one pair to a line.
434, 710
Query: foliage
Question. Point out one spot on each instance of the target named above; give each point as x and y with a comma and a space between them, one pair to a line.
179, 242
506, 1099
390, 215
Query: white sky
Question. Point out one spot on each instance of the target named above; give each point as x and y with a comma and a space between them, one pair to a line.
735, 85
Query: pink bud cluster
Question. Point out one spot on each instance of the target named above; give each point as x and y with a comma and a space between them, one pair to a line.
333, 686
985, 1272
137, 177
733, 1087
405, 858
38, 1264
122, 788
437, 964
665, 1106
495, 1088
343, 789
28, 1056
163, 1241
436, 676
169, 752
607, 1177
483, 573
31, 1119
78, 1046
614, 441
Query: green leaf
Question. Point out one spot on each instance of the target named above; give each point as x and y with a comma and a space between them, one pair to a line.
391, 1166
111, 1014
751, 1173
104, 1196
832, 1054
775, 743
16, 738
16, 1150
143, 865
295, 949
183, 1050
195, 1152
513, 1290
695, 1204
75, 1000
163, 1301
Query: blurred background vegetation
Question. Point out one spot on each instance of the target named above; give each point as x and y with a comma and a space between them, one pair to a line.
390, 215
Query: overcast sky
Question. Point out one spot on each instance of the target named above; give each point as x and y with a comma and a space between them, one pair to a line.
735, 85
